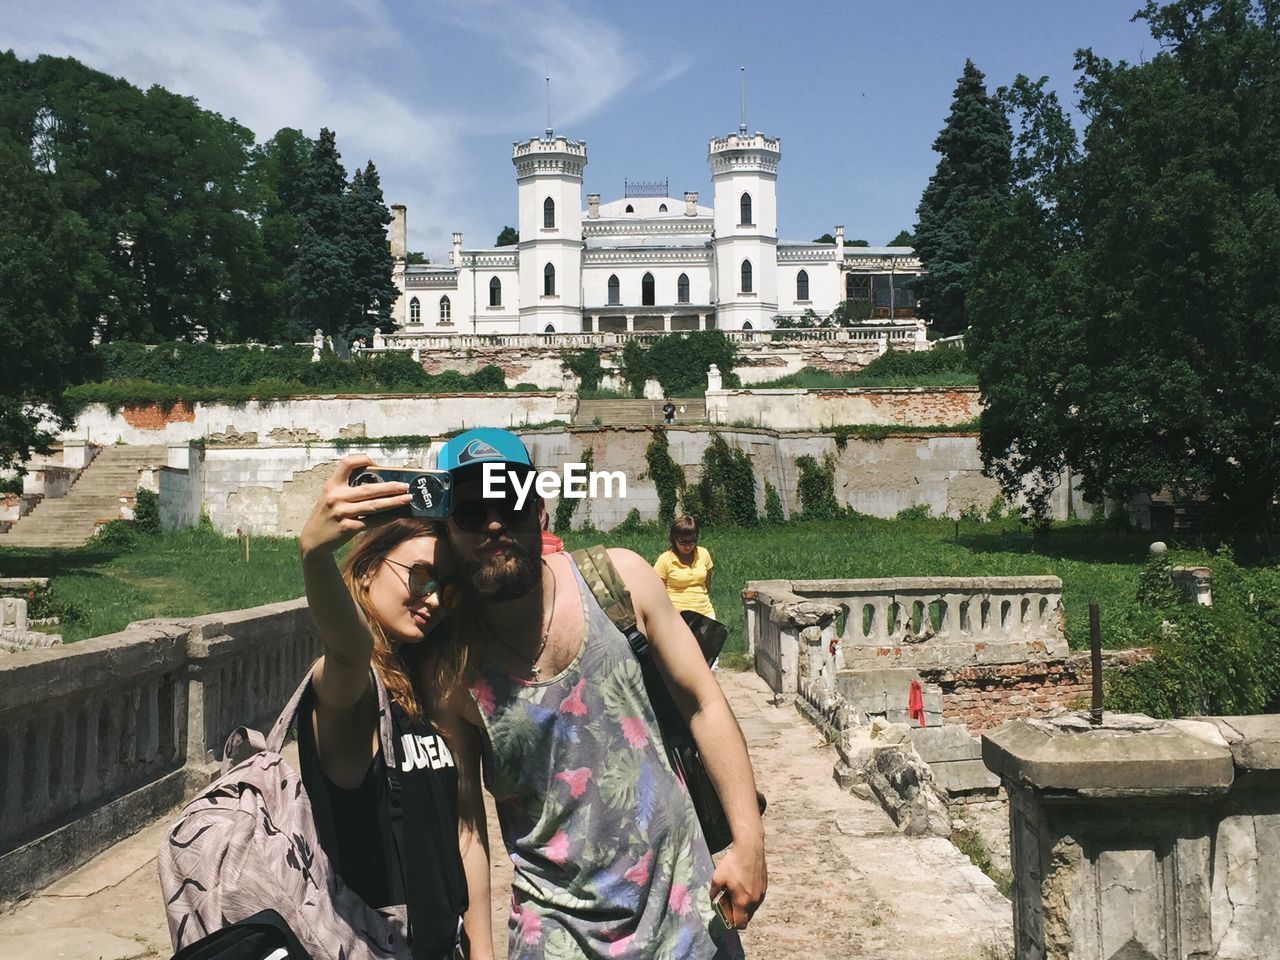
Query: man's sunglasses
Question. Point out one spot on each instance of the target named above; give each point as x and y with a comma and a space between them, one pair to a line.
472, 516
422, 580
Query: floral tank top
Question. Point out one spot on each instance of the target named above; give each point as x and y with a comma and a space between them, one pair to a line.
609, 858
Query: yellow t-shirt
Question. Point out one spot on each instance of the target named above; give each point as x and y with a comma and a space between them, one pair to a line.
687, 583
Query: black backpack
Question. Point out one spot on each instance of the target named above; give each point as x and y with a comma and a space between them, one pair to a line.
263, 936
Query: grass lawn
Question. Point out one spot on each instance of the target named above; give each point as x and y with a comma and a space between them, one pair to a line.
197, 571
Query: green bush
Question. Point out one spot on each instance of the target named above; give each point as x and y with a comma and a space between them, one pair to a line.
940, 366
817, 488
146, 513
773, 505
921, 511
1223, 659
11, 484
585, 364
679, 362
118, 534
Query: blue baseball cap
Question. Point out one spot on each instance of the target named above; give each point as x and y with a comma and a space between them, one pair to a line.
480, 446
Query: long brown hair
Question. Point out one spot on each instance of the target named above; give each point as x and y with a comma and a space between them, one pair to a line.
441, 652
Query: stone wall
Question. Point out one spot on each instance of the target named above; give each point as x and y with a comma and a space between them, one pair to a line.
318, 419
817, 409
269, 489
1141, 839
100, 737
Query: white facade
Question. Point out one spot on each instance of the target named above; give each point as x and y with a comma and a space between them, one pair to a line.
646, 263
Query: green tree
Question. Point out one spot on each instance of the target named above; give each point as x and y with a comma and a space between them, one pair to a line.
974, 145
48, 265
903, 239
325, 292
828, 238
1132, 329
367, 218
507, 236
279, 169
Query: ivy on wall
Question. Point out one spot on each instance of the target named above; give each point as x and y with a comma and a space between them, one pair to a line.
817, 488
665, 473
726, 491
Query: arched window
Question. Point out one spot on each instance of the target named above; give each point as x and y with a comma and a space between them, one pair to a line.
647, 297
415, 311
495, 292
682, 289
549, 281
744, 210
550, 328
745, 286
630, 208
746, 325
802, 285
615, 291
548, 213
446, 310
662, 208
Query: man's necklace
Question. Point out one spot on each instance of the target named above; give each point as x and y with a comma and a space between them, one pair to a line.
534, 670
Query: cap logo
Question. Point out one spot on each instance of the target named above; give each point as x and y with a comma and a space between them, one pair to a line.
478, 450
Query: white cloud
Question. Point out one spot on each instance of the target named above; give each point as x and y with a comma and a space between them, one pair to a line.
273, 64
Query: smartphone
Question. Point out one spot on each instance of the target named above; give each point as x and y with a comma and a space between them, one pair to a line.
430, 491
724, 909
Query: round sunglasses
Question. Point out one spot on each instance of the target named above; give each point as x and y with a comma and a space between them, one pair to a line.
422, 580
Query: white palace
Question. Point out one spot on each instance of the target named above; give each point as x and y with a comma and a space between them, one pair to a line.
646, 262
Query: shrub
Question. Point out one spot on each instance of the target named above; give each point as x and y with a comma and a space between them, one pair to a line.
773, 505
630, 524
11, 484
921, 511
817, 488
146, 513
585, 365
679, 362
996, 509
117, 533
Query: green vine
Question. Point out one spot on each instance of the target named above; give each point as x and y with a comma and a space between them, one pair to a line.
585, 365
565, 506
665, 473
773, 513
726, 491
817, 488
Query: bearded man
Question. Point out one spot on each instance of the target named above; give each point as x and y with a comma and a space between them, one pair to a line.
609, 858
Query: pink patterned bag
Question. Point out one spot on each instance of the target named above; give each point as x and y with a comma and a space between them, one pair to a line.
249, 842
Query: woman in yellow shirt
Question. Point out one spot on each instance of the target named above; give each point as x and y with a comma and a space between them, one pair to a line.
686, 569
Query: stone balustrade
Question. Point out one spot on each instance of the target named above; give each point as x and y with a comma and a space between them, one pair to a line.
1141, 839
916, 622
100, 737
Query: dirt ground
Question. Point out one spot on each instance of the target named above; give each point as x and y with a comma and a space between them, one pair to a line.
842, 882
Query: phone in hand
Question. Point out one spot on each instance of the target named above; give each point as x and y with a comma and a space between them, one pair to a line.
430, 491
723, 908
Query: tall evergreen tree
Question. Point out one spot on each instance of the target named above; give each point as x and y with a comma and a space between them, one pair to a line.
325, 295
974, 168
367, 221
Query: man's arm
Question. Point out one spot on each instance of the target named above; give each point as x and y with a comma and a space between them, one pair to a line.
473, 834
715, 731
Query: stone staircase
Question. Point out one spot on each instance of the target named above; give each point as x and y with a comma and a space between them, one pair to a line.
627, 412
70, 521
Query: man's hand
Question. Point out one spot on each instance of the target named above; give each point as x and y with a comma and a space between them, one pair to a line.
742, 874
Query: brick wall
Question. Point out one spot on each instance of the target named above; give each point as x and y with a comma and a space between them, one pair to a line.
984, 697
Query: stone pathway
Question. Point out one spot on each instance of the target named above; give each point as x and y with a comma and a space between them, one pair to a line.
843, 882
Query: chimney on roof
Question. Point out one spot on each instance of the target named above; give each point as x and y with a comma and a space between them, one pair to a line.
839, 241
399, 241
593, 206
455, 255
691, 203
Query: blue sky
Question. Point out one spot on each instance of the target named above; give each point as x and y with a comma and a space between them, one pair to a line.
435, 92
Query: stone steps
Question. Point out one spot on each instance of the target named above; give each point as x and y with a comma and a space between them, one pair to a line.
96, 495
628, 412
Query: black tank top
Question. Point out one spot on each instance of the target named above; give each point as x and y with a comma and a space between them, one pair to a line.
355, 830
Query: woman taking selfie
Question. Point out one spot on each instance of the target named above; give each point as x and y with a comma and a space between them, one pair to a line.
391, 833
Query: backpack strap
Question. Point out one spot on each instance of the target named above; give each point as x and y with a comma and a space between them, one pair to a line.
607, 586
280, 731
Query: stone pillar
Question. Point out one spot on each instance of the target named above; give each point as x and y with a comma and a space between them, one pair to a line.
455, 253
714, 379
399, 231
1142, 839
839, 242
1195, 584
76, 454
378, 341
593, 206
690, 203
